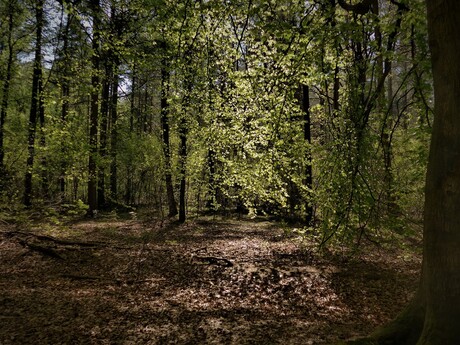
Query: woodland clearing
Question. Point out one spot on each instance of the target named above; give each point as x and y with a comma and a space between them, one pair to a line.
208, 281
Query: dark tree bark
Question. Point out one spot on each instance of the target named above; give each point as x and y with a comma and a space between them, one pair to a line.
103, 127
132, 114
212, 192
183, 170
6, 85
166, 142
132, 99
308, 179
65, 94
434, 314
37, 80
43, 161
114, 130
442, 193
94, 111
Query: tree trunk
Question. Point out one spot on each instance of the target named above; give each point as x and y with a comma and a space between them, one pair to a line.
212, 188
105, 100
65, 94
94, 113
166, 142
308, 177
114, 131
35, 103
44, 161
183, 170
434, 314
6, 87
442, 193
129, 198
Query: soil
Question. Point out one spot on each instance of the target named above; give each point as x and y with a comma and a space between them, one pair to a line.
208, 281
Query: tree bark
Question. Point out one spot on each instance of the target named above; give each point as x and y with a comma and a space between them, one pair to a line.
183, 169
6, 86
94, 112
212, 189
442, 193
166, 142
114, 131
35, 103
103, 127
65, 94
433, 316
43, 160
308, 178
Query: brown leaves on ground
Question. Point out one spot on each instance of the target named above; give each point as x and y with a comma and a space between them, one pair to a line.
205, 282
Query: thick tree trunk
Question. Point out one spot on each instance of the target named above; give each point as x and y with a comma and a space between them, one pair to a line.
433, 317
35, 103
442, 194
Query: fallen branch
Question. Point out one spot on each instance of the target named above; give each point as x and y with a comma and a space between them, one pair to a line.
212, 260
63, 242
53, 239
47, 251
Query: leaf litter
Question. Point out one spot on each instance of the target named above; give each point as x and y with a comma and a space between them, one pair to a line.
209, 281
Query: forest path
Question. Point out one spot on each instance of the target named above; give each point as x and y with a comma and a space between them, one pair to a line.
209, 281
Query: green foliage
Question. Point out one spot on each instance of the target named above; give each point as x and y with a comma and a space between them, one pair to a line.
234, 74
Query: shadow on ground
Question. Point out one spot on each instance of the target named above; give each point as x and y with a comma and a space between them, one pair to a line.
208, 281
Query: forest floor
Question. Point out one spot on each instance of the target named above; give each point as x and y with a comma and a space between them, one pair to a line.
208, 281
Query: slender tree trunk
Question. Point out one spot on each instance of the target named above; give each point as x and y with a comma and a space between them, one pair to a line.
132, 114
94, 112
308, 178
388, 151
6, 87
65, 94
166, 142
35, 103
43, 161
212, 189
183, 169
114, 132
103, 127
